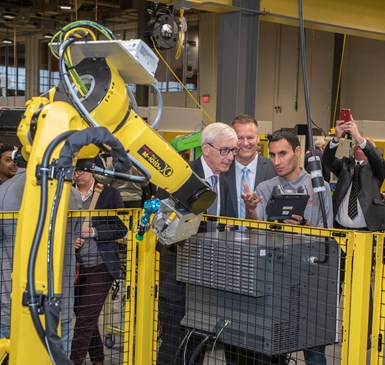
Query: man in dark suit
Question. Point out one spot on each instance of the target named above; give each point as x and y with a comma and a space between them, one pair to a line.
219, 146
256, 167
216, 159
366, 211
357, 200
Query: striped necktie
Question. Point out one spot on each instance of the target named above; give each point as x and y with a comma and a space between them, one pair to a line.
352, 205
244, 179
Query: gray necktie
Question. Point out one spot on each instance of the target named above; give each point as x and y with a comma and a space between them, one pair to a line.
214, 187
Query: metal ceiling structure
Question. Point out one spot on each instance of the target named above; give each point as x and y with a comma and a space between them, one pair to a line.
26, 17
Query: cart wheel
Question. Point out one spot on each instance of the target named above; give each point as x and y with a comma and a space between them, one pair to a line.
109, 340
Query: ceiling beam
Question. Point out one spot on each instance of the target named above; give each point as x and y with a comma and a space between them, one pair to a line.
363, 18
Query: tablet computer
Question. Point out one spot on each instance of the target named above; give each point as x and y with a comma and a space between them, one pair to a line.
284, 203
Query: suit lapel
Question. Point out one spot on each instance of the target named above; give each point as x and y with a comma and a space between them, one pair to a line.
196, 166
261, 171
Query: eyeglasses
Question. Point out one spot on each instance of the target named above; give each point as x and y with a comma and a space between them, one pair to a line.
224, 151
78, 172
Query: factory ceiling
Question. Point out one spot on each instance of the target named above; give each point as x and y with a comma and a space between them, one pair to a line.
26, 17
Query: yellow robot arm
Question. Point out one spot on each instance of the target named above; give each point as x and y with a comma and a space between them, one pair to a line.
96, 96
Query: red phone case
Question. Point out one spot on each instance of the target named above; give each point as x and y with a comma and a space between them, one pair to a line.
345, 115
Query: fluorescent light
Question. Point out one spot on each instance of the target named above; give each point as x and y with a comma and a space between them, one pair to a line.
65, 7
9, 16
48, 35
7, 41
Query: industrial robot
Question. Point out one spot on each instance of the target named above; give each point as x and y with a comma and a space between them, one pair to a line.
90, 110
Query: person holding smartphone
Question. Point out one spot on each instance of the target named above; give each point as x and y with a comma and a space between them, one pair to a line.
357, 201
355, 207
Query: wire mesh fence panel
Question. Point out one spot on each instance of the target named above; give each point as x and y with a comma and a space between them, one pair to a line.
272, 294
100, 291
250, 297
96, 304
97, 296
8, 225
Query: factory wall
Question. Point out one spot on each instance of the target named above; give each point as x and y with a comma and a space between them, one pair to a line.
279, 83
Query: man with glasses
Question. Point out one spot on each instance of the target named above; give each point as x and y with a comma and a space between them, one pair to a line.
219, 146
99, 261
357, 201
357, 204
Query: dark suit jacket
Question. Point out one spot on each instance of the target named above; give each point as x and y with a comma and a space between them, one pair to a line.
265, 171
109, 229
371, 177
170, 288
197, 167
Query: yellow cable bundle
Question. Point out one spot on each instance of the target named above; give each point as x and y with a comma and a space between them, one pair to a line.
182, 27
77, 29
77, 33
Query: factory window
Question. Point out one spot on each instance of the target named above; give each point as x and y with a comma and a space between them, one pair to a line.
12, 70
49, 72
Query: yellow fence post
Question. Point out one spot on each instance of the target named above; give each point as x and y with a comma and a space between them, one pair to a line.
129, 323
145, 300
348, 249
357, 330
377, 345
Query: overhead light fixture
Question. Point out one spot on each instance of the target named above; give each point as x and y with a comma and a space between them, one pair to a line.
66, 6
48, 35
9, 16
7, 41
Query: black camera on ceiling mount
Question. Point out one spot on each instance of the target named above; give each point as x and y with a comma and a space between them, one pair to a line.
162, 27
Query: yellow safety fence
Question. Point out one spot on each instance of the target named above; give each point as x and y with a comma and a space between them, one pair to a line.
321, 288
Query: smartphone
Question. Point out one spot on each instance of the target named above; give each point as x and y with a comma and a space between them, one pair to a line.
344, 115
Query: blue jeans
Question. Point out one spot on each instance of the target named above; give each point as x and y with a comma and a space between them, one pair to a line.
4, 331
66, 336
315, 355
